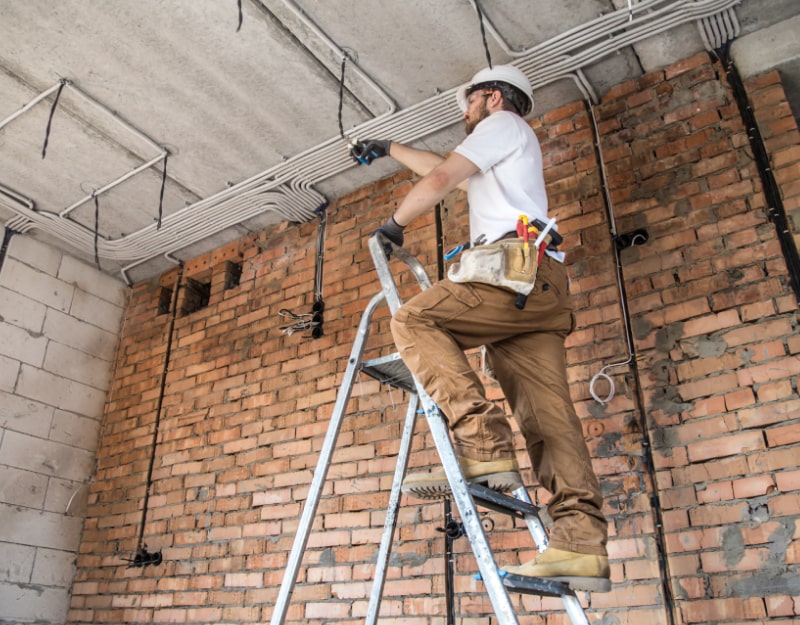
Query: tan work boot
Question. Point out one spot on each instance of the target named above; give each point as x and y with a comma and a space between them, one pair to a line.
581, 571
500, 475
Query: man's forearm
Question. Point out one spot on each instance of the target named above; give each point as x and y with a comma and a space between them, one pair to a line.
421, 162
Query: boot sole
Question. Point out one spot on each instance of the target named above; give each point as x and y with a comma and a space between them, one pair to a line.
501, 482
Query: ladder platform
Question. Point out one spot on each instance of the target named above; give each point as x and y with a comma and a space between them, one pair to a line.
536, 586
499, 502
390, 370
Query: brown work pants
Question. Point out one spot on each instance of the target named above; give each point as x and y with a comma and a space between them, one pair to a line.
526, 351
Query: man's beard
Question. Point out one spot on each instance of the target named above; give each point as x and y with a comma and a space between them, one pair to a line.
482, 113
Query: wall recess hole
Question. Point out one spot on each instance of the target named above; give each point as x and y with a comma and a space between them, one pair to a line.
164, 300
196, 296
233, 274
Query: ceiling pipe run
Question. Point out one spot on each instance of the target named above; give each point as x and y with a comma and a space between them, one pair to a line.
287, 188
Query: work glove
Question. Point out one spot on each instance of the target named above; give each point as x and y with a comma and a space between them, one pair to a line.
366, 151
392, 231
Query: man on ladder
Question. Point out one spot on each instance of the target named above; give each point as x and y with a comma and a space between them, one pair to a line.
523, 328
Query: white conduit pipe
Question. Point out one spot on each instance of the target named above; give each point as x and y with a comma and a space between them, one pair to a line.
555, 59
30, 104
114, 183
301, 15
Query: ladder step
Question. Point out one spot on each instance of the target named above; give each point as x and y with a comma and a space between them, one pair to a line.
536, 586
499, 502
390, 370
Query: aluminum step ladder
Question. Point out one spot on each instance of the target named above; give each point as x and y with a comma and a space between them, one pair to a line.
392, 371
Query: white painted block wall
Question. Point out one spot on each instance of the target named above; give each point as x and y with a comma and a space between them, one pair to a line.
59, 323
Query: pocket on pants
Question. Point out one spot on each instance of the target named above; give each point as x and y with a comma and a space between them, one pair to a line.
443, 301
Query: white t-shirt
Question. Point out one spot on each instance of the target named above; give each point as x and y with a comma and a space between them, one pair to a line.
510, 182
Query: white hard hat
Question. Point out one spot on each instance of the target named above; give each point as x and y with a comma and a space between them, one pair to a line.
489, 76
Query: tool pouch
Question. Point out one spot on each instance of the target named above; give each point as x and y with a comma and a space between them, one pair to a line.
506, 264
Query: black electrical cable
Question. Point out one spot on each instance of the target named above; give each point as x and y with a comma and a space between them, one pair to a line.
159, 404
647, 452
483, 33
241, 17
449, 570
319, 304
439, 242
341, 96
62, 82
161, 196
311, 321
7, 234
96, 229
776, 212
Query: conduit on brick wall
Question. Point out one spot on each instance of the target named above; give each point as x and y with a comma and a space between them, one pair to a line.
142, 556
647, 452
775, 208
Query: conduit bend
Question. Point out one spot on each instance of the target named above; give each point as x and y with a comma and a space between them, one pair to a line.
287, 187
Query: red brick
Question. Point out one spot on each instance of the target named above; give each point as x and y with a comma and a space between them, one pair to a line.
727, 445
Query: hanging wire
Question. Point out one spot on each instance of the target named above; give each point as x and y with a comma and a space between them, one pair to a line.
341, 96
301, 321
161, 196
483, 33
311, 321
96, 229
241, 17
630, 10
62, 82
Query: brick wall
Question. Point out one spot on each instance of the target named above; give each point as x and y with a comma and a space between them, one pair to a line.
59, 321
697, 450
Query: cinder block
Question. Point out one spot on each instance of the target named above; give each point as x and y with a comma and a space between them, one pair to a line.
77, 365
22, 345
38, 286
60, 392
21, 487
21, 311
24, 415
75, 430
83, 336
45, 457
31, 603
16, 562
66, 496
35, 254
53, 567
9, 371
38, 528
87, 279
96, 311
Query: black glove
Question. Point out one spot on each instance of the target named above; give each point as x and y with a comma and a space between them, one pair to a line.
366, 151
392, 231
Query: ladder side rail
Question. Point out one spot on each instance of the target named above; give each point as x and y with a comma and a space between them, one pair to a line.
377, 244
321, 471
473, 528
535, 525
574, 610
390, 524
498, 595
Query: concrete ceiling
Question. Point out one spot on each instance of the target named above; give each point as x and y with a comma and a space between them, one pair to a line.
248, 118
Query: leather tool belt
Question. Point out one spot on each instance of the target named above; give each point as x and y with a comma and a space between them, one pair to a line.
511, 262
508, 264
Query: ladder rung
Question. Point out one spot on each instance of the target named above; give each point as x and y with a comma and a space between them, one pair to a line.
536, 586
499, 502
390, 370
